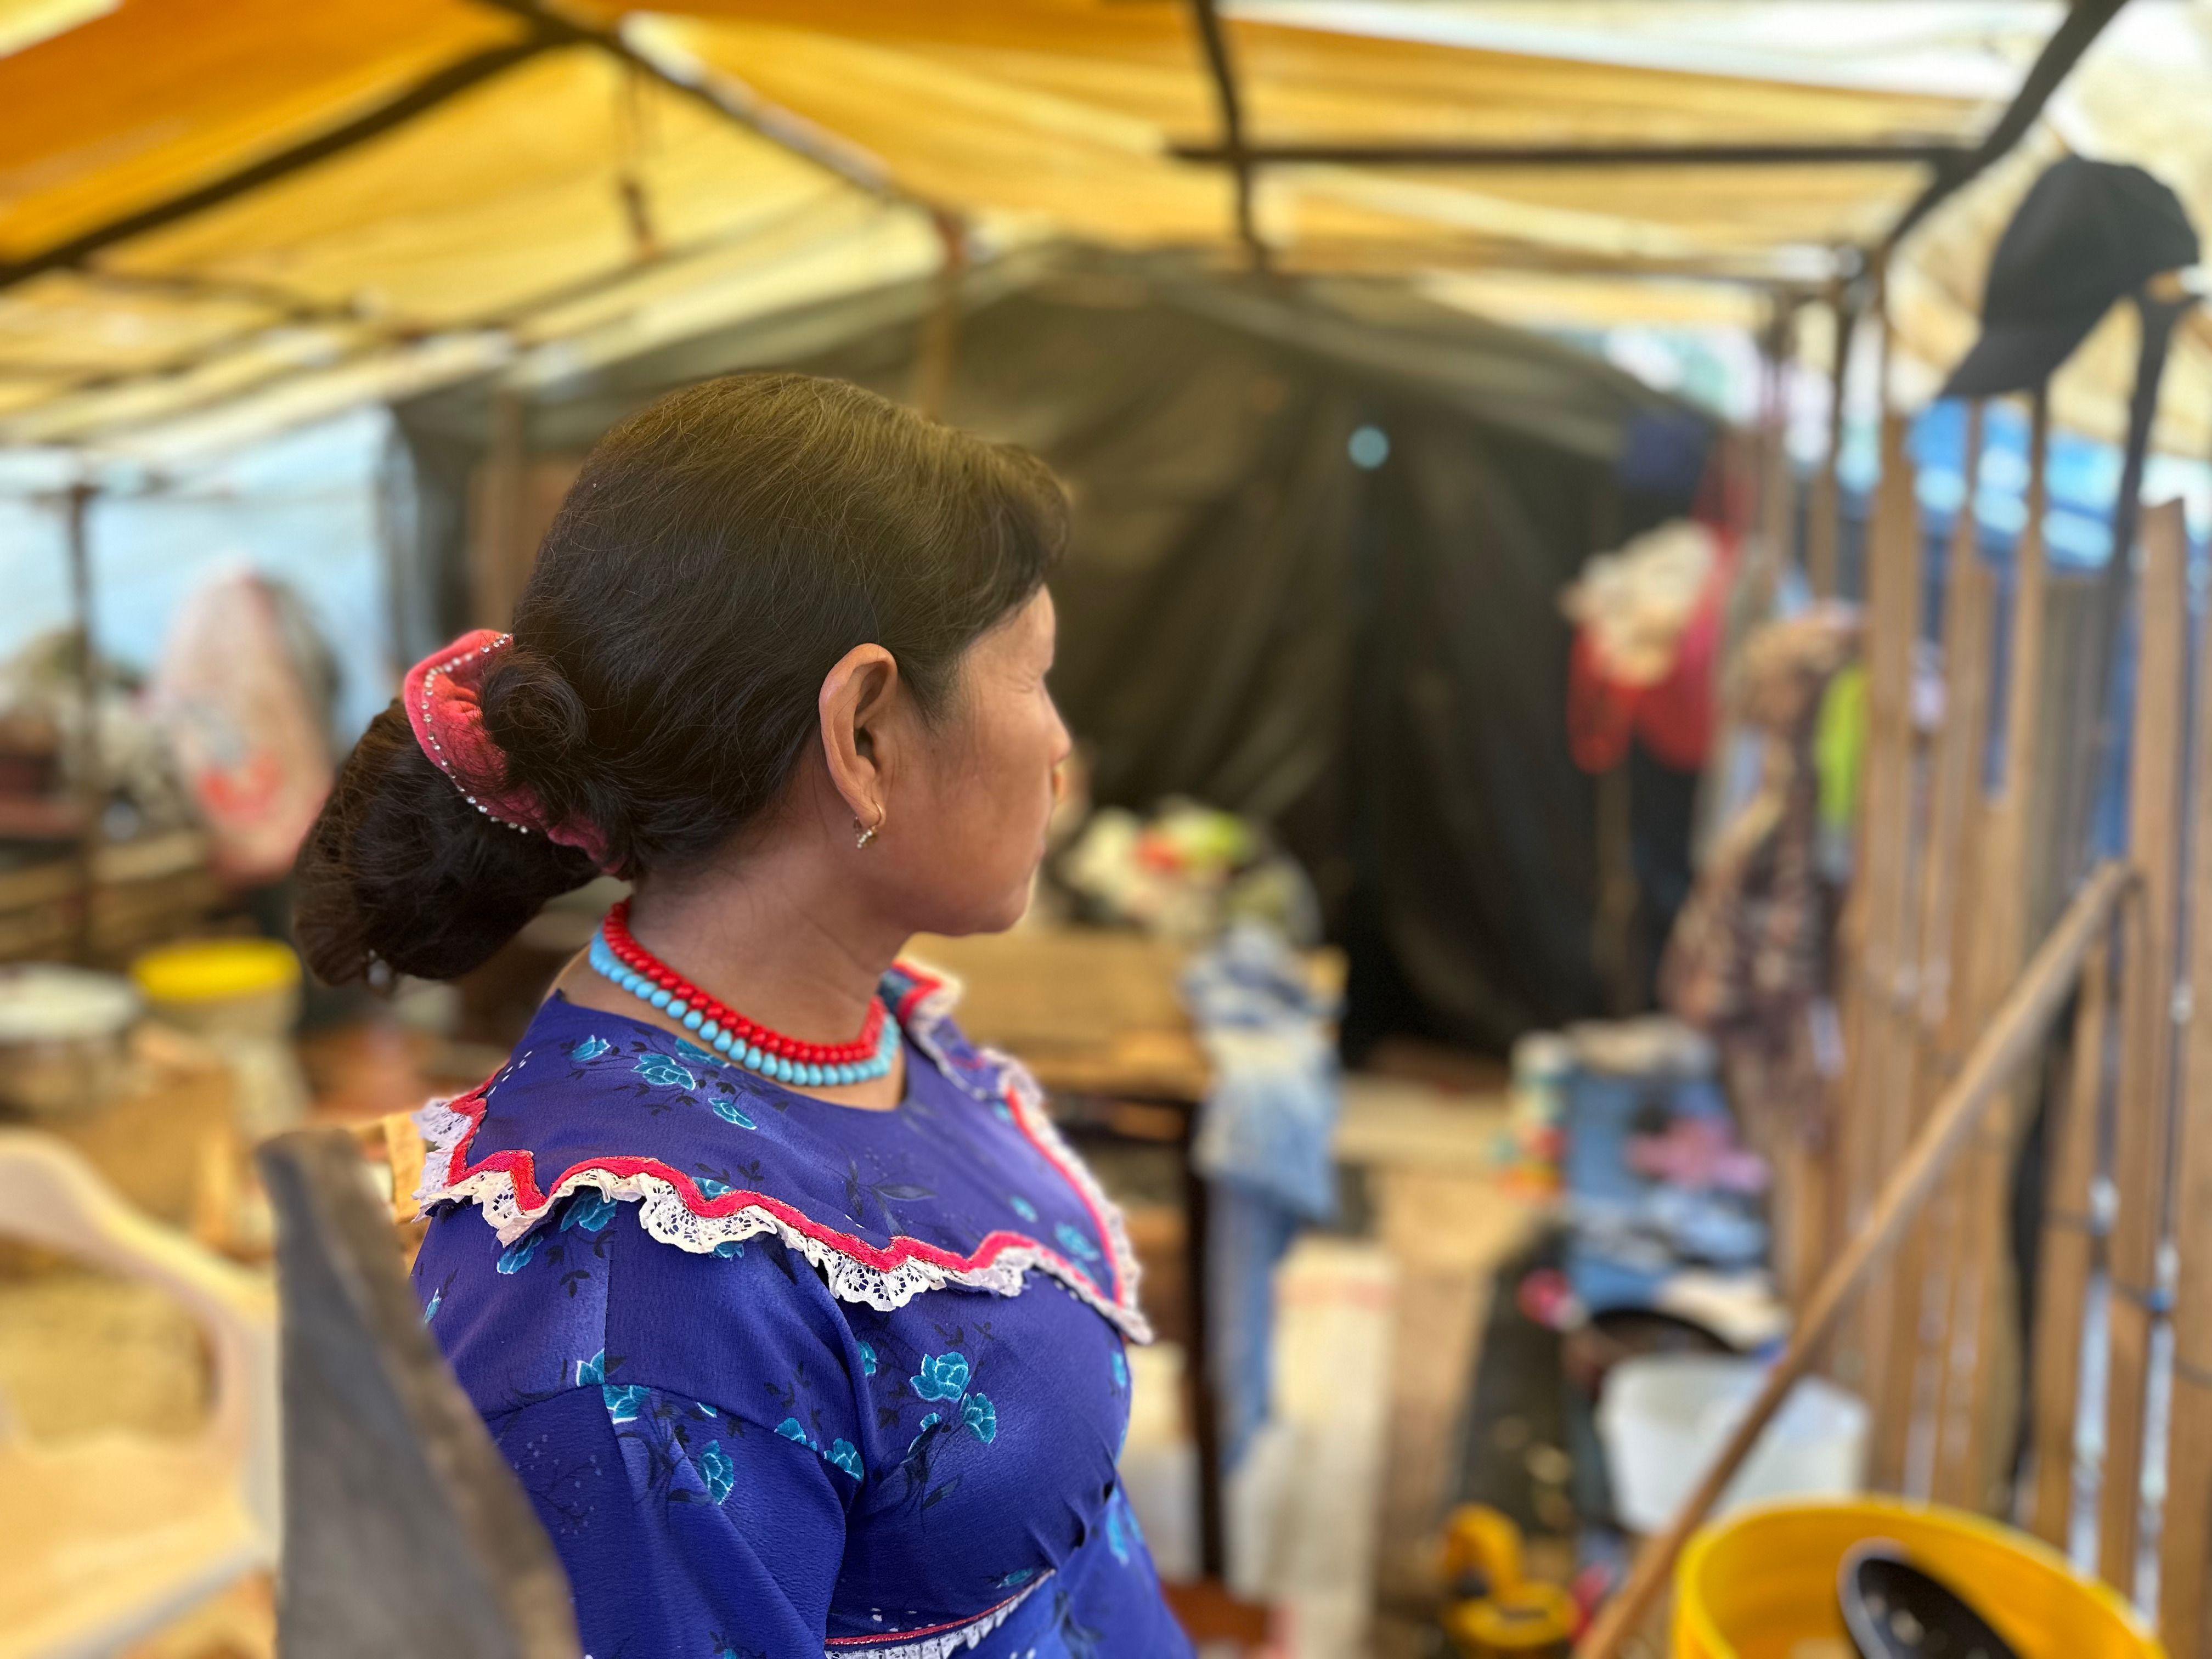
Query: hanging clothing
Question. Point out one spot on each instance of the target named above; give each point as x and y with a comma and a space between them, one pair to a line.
1750, 961
784, 1378
1265, 1146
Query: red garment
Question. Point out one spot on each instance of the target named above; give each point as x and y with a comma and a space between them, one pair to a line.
1673, 716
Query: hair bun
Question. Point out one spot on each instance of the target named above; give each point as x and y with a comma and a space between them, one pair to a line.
532, 713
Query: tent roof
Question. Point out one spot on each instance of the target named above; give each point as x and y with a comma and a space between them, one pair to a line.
219, 214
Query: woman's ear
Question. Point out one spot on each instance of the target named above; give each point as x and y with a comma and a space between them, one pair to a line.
854, 706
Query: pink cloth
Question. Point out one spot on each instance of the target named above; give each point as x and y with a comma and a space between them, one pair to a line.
444, 705
247, 739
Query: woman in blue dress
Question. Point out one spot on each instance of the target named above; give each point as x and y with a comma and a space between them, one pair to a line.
799, 1325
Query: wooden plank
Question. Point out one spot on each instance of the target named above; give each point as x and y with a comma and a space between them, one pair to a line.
2139, 1157
2065, 1258
2018, 1029
2186, 1544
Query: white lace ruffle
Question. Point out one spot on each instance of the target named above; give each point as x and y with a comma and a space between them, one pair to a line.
666, 1217
1028, 1103
945, 1642
931, 1014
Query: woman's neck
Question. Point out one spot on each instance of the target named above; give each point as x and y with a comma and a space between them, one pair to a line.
799, 964
792, 950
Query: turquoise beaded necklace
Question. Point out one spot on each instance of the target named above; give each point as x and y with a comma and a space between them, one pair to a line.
751, 1055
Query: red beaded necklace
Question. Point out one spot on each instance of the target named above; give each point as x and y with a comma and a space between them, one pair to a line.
640, 961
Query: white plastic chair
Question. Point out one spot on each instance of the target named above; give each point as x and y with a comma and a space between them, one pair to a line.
104, 1539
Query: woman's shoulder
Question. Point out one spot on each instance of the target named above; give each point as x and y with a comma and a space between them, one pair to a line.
586, 1299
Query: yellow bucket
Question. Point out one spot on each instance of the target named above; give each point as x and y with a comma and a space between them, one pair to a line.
217, 971
1762, 1584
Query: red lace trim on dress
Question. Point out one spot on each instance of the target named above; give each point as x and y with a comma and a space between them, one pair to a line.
506, 1184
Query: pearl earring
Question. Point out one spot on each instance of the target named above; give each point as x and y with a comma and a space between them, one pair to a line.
867, 834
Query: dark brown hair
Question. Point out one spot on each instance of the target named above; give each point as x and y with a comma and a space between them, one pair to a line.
718, 552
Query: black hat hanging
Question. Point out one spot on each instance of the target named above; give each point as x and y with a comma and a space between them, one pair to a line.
2087, 233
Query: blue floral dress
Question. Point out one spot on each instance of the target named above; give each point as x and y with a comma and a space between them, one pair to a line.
787, 1379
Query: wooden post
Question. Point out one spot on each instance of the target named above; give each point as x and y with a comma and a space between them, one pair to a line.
2019, 1027
2139, 1157
2065, 1258
2185, 1545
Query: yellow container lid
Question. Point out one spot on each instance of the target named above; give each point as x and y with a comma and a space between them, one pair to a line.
215, 969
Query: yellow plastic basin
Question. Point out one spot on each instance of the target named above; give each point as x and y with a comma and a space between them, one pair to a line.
1762, 1584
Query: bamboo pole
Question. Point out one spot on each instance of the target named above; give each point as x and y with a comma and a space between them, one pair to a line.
1953, 787
2067, 1253
2065, 1259
2020, 1026
1824, 507
2185, 1546
1876, 1120
2139, 1157
1984, 1399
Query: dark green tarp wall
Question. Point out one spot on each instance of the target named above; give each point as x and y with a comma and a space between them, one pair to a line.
1371, 658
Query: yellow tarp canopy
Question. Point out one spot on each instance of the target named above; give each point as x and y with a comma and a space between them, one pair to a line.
534, 193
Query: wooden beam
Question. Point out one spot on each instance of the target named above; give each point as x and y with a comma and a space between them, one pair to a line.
424, 96
1354, 152
2080, 26
2140, 1173
2021, 1024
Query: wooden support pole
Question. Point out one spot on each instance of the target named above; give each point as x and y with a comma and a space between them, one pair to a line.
2066, 1257
2140, 1170
2021, 1024
2186, 1546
